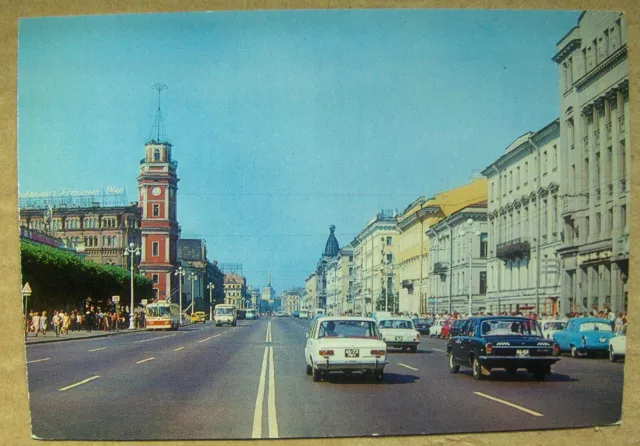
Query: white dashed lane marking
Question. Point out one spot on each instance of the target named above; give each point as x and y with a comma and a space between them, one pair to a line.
38, 360
79, 383
407, 366
507, 403
145, 360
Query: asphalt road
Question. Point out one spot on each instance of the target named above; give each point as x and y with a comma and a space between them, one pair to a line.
249, 381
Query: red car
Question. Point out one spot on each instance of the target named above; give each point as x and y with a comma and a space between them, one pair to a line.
446, 328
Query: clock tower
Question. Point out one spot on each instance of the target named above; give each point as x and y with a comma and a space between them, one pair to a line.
157, 193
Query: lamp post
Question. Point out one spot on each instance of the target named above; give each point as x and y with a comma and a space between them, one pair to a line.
469, 225
211, 287
180, 273
132, 250
193, 276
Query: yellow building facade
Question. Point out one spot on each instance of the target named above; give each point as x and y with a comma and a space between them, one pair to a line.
412, 261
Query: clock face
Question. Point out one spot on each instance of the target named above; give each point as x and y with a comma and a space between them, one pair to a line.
156, 191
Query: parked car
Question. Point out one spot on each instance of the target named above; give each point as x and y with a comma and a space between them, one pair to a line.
618, 345
455, 328
422, 325
501, 342
550, 327
345, 344
587, 335
399, 332
435, 329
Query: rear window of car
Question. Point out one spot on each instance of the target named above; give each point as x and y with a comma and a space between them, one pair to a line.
590, 326
394, 323
347, 329
497, 327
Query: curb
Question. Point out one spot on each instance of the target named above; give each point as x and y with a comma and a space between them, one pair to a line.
63, 339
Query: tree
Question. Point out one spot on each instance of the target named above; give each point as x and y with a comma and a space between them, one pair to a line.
60, 279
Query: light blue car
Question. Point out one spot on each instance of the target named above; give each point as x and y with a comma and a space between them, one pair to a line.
585, 335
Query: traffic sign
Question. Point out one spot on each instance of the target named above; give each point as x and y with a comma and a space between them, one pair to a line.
26, 289
115, 298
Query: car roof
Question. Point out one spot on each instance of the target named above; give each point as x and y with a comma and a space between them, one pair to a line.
345, 318
592, 319
396, 318
505, 318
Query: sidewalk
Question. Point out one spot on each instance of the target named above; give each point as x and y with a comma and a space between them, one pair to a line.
74, 335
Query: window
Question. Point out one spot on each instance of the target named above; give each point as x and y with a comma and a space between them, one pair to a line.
526, 172
555, 158
483, 282
389, 240
623, 216
389, 258
156, 210
518, 177
598, 226
156, 278
610, 219
493, 190
156, 249
156, 155
510, 180
484, 241
586, 173
586, 227
544, 162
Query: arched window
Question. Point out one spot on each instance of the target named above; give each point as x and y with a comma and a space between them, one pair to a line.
156, 155
115, 240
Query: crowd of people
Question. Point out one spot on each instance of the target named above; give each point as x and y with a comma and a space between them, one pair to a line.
62, 322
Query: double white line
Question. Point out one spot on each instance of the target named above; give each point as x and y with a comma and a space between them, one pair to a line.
271, 403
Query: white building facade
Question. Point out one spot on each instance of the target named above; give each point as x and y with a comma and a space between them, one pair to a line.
595, 164
458, 262
525, 225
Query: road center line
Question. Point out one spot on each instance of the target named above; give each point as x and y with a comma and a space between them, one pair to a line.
439, 350
154, 339
145, 360
257, 414
38, 360
273, 419
407, 366
178, 349
96, 349
206, 339
79, 383
217, 335
515, 406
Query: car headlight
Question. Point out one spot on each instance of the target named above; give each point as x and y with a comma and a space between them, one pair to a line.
603, 339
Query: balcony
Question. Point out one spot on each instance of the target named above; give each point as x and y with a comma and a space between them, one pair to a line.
441, 267
517, 247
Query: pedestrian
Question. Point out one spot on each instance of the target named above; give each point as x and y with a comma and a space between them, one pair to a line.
88, 320
611, 315
66, 321
57, 322
44, 322
619, 323
35, 321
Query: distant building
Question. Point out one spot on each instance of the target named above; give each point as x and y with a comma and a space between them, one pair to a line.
268, 294
290, 301
311, 289
192, 257
235, 288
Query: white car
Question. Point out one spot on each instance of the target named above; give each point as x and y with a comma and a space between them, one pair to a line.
550, 327
345, 344
618, 346
399, 332
436, 328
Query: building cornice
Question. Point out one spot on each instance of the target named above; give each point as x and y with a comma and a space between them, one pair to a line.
568, 49
614, 59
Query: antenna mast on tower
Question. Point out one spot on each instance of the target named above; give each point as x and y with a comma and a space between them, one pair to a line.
157, 128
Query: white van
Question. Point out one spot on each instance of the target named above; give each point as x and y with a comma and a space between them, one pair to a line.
225, 314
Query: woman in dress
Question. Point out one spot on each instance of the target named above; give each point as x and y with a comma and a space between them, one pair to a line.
44, 322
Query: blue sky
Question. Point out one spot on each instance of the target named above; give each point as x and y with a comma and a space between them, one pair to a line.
283, 122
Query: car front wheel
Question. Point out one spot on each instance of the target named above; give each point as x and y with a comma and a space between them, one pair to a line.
476, 370
453, 367
612, 356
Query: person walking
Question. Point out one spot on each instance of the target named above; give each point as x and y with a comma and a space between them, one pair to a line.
44, 323
57, 322
66, 321
35, 320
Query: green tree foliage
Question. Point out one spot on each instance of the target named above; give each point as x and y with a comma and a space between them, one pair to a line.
62, 280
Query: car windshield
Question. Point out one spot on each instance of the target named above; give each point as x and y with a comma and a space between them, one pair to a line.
420, 321
554, 325
591, 326
395, 323
520, 327
156, 311
347, 329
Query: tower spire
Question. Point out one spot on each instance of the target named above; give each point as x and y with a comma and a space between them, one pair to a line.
157, 132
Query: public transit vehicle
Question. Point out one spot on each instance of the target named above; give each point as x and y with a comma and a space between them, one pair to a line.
252, 314
162, 315
225, 314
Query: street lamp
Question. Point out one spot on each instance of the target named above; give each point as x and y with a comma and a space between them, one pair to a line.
211, 287
133, 250
180, 273
469, 225
193, 276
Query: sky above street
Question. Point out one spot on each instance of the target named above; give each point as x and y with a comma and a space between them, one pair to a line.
283, 122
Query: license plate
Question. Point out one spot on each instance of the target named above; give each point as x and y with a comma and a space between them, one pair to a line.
398, 338
522, 352
351, 353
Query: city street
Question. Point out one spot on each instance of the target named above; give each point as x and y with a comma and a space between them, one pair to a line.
249, 381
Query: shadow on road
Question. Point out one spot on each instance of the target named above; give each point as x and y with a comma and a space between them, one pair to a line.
521, 376
357, 378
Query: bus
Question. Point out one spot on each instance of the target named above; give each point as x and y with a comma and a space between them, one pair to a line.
252, 314
162, 315
225, 314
